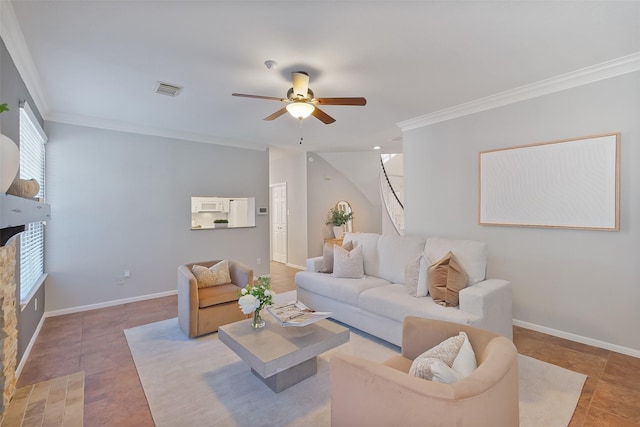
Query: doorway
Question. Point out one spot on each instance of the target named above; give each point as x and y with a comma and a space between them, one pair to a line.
279, 211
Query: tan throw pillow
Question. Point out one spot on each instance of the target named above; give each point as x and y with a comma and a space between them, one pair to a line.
212, 276
446, 278
327, 255
348, 264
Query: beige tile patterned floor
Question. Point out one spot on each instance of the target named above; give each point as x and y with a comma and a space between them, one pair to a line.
55, 403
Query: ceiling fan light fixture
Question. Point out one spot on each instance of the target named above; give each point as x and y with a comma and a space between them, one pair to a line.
300, 109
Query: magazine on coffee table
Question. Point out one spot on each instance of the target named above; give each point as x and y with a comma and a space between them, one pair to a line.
296, 313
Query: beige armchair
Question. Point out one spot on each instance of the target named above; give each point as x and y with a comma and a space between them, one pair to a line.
365, 393
201, 311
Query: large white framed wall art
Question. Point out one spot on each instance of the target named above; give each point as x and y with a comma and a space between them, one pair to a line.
572, 183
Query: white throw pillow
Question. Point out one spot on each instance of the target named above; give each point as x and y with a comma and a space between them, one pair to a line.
415, 276
437, 363
411, 274
442, 373
465, 362
348, 264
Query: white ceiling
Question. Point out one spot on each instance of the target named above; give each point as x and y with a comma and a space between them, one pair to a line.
98, 61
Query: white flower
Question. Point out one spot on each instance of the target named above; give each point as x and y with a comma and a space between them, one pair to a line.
267, 292
248, 304
243, 291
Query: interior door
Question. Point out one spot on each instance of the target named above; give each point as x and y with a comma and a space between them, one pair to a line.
279, 222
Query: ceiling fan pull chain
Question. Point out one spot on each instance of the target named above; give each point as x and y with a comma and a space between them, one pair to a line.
301, 138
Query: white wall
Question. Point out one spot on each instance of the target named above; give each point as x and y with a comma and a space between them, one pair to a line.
325, 187
291, 167
122, 201
585, 283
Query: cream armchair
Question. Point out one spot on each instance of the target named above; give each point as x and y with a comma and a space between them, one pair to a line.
365, 393
203, 310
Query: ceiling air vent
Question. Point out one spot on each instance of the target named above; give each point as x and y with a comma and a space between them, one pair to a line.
168, 89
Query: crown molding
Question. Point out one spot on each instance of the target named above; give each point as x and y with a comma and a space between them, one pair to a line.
95, 122
616, 67
16, 44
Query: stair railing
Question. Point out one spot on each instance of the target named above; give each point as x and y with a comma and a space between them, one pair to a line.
394, 207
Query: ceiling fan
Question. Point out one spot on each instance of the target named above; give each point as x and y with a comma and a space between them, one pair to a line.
301, 102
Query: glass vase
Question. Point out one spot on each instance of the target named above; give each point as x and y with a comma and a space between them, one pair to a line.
257, 322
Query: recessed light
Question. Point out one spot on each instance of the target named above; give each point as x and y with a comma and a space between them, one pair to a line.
377, 147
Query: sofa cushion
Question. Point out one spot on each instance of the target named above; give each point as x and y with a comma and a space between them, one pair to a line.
472, 255
393, 302
348, 264
394, 253
215, 275
343, 290
215, 295
446, 278
369, 243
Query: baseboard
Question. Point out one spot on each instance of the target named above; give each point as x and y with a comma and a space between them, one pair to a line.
27, 351
107, 304
297, 267
578, 338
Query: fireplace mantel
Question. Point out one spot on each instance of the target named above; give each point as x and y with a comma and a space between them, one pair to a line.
16, 212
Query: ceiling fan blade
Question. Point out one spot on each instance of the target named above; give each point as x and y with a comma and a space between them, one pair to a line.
300, 81
322, 116
271, 98
276, 114
341, 101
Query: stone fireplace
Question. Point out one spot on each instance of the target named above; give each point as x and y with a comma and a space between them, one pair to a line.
8, 323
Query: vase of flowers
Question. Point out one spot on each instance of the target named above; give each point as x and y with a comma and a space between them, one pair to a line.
254, 298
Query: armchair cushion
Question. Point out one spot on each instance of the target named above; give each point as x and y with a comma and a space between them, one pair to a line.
217, 274
214, 295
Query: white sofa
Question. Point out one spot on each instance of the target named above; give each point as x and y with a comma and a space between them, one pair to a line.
378, 303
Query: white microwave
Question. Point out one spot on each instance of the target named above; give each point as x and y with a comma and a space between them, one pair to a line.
210, 207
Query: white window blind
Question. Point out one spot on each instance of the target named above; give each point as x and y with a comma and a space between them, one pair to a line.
32, 159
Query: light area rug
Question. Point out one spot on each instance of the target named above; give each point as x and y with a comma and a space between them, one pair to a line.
202, 382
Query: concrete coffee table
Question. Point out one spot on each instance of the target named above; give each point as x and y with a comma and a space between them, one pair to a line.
282, 357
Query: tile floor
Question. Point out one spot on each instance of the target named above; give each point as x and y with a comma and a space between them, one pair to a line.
94, 341
55, 403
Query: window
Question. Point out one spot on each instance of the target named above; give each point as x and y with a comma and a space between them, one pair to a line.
32, 140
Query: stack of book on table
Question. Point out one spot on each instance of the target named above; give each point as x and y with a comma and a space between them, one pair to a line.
296, 313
